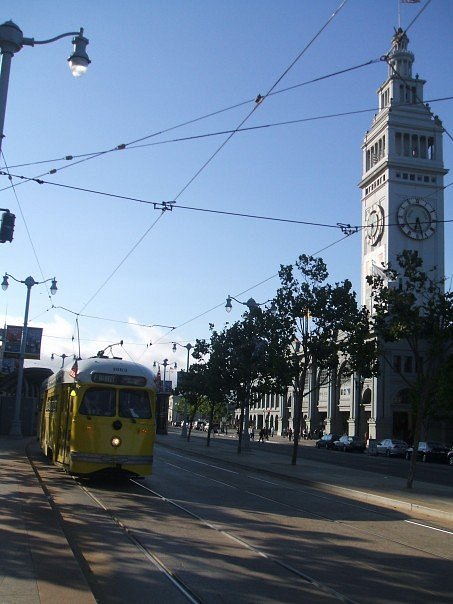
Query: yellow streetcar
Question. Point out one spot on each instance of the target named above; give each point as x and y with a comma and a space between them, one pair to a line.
99, 417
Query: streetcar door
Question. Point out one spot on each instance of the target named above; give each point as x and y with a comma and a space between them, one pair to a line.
65, 424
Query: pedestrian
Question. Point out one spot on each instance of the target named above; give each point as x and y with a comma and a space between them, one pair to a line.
252, 434
272, 431
290, 434
261, 438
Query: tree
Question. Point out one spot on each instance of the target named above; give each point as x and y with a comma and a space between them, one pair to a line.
319, 324
213, 375
411, 306
242, 362
253, 354
191, 387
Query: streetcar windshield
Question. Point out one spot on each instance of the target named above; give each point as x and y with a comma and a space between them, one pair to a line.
134, 403
98, 401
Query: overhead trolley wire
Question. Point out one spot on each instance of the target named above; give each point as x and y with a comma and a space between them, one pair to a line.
252, 287
258, 101
164, 206
30, 239
133, 144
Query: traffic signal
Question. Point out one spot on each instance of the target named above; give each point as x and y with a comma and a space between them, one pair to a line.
7, 227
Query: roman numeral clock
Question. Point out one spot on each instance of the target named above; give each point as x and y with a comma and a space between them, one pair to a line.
417, 218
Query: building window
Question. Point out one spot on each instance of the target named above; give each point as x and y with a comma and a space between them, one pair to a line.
407, 364
397, 363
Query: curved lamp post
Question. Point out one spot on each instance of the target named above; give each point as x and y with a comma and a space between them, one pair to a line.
12, 40
29, 282
251, 304
189, 347
63, 357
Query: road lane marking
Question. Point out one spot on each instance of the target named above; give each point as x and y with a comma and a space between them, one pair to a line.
433, 528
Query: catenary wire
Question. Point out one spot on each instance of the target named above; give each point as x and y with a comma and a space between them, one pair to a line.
258, 103
26, 228
133, 144
25, 179
170, 205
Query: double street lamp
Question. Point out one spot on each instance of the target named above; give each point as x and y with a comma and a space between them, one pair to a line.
29, 282
63, 357
251, 304
189, 347
164, 364
12, 40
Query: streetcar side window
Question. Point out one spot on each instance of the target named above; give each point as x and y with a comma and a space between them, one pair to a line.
134, 403
98, 401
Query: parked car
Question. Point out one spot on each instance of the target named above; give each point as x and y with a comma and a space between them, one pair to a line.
326, 441
430, 451
350, 443
392, 447
450, 457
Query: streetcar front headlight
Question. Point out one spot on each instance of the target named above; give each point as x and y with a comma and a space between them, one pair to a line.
116, 441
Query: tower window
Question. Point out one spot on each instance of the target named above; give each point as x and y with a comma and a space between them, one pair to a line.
431, 148
423, 148
406, 140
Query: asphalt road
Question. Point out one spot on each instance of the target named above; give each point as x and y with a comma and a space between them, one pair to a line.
202, 531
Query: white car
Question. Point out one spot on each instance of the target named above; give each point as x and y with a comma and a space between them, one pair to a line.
392, 447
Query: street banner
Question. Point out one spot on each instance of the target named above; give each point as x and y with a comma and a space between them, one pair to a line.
13, 339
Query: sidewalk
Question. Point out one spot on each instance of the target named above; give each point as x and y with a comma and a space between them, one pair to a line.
37, 565
424, 500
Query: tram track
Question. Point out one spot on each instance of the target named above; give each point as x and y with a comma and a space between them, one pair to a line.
248, 545
173, 577
120, 505
52, 479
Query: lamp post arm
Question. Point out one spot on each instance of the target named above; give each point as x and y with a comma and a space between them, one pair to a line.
12, 40
32, 41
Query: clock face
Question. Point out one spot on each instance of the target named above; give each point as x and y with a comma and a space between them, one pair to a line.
417, 218
375, 224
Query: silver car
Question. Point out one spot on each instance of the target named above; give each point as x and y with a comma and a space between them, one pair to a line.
392, 447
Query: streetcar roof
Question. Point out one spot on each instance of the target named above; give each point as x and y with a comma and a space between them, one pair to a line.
82, 371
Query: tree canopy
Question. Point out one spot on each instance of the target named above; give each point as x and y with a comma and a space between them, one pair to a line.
411, 306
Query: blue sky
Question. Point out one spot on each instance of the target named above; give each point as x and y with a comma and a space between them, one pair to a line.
123, 265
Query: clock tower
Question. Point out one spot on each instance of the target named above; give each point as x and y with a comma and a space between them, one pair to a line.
402, 181
402, 209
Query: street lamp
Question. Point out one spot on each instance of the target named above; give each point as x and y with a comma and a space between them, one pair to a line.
251, 304
165, 365
12, 40
63, 357
189, 348
29, 282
